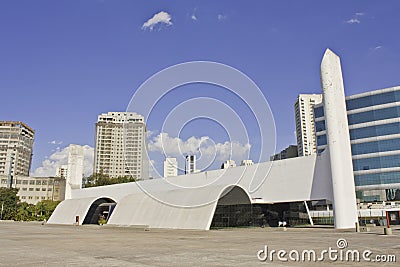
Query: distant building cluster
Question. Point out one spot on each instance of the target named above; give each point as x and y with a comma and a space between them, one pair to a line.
121, 148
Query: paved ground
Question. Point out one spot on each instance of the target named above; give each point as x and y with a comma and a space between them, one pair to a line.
33, 244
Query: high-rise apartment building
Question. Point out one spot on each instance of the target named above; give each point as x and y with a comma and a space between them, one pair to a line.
190, 165
121, 145
305, 129
16, 144
170, 167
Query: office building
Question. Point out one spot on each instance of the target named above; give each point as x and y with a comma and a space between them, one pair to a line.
305, 132
121, 145
190, 165
170, 167
289, 152
228, 164
35, 189
374, 126
16, 144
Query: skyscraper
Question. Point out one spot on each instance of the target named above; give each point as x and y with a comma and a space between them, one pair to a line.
305, 129
170, 167
16, 144
190, 165
121, 145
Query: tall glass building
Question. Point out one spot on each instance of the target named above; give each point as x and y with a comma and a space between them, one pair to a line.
374, 124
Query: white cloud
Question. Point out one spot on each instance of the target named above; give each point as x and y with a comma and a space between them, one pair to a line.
159, 18
360, 14
60, 157
54, 142
222, 17
176, 147
352, 21
193, 17
378, 47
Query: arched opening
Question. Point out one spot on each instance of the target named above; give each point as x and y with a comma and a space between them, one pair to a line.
99, 211
233, 209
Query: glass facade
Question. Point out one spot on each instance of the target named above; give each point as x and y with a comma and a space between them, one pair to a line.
371, 169
373, 100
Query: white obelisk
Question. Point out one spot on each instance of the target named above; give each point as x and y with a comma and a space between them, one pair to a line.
338, 137
74, 171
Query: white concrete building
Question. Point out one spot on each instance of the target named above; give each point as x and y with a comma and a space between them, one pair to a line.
228, 164
121, 145
170, 167
16, 144
305, 127
179, 202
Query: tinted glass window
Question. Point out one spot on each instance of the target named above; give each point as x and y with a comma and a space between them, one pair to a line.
377, 178
374, 115
320, 126
379, 130
319, 112
377, 146
376, 163
367, 101
321, 140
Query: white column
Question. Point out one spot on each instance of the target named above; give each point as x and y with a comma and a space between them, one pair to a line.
74, 171
338, 137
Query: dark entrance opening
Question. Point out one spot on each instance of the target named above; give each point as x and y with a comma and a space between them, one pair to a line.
234, 210
100, 209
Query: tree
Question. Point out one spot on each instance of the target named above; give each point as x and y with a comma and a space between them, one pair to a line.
8, 203
45, 208
100, 179
26, 212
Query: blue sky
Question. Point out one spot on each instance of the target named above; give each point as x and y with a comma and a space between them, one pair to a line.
64, 62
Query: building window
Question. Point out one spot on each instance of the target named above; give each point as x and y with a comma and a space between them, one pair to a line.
37, 189
30, 189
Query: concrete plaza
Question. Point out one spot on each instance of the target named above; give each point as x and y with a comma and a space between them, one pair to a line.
33, 244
